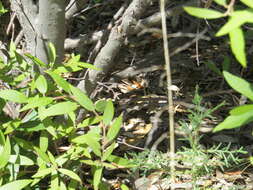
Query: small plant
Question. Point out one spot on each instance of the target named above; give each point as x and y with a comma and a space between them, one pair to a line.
41, 145
240, 115
148, 161
2, 9
202, 160
194, 160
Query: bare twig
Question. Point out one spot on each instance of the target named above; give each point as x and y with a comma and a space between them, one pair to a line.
170, 100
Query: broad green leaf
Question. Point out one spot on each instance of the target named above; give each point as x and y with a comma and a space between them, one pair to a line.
63, 186
36, 102
2, 9
43, 141
50, 126
90, 121
109, 151
120, 161
13, 95
108, 113
203, 13
241, 109
124, 187
226, 63
58, 109
52, 159
249, 3
91, 140
114, 128
221, 2
82, 99
70, 174
108, 165
234, 121
60, 81
21, 160
100, 105
36, 61
89, 162
11, 126
55, 181
42, 155
43, 172
97, 176
5, 153
41, 84
51, 53
2, 140
237, 19
88, 66
213, 67
238, 45
239, 84
23, 143
16, 185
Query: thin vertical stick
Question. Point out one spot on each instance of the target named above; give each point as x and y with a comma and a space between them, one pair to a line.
170, 100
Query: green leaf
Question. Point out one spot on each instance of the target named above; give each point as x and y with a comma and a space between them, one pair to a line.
239, 84
60, 81
51, 53
90, 121
88, 66
108, 113
226, 63
238, 45
100, 105
58, 109
5, 153
124, 187
221, 2
203, 13
241, 109
109, 151
54, 181
70, 174
43, 172
2, 9
91, 140
82, 99
115, 128
41, 84
43, 141
36, 102
13, 95
213, 67
36, 61
89, 162
16, 185
42, 155
21, 160
120, 161
234, 121
97, 176
52, 159
249, 3
237, 19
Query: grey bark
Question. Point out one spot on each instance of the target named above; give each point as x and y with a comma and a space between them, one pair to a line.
73, 7
42, 21
26, 12
51, 28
